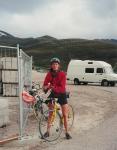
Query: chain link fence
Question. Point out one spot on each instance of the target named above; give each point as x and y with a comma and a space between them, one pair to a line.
25, 78
15, 74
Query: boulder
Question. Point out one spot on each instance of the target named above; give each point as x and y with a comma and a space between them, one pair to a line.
4, 112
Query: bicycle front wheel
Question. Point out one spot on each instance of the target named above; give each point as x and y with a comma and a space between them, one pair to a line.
56, 126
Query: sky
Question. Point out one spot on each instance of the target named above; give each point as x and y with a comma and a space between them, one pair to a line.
89, 19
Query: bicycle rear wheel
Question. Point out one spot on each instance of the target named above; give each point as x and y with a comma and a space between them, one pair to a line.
70, 117
56, 126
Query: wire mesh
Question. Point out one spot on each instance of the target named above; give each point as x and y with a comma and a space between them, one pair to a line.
25, 78
9, 102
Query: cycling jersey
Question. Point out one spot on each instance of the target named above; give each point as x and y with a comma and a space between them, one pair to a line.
58, 81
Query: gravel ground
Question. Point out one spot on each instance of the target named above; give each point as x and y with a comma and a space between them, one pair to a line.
92, 104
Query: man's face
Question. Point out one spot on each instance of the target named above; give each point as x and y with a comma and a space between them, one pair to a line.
55, 66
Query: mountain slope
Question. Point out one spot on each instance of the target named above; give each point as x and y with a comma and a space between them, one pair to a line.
44, 48
3, 33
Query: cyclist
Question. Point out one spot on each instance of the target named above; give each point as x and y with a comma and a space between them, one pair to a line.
56, 81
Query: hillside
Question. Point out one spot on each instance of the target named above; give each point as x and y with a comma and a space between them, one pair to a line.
44, 48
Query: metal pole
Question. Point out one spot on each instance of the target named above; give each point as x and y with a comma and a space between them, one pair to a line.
20, 92
31, 72
8, 47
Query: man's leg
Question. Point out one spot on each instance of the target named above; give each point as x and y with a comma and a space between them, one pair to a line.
65, 115
65, 109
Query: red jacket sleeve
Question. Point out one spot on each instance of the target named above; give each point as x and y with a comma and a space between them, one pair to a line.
47, 79
61, 88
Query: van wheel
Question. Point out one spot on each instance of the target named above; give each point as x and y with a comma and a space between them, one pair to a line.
112, 83
104, 83
85, 83
76, 82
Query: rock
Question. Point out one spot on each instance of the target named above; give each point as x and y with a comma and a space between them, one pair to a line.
4, 112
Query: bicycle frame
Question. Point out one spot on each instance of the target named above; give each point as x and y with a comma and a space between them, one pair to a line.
54, 111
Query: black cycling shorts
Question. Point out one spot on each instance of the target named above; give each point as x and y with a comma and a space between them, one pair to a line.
62, 99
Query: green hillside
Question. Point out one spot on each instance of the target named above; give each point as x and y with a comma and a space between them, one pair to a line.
44, 48
68, 49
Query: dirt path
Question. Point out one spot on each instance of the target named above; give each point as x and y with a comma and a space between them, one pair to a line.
102, 137
92, 104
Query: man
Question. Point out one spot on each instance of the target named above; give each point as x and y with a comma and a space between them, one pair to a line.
56, 81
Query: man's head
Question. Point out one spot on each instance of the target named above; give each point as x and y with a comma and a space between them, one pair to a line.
55, 64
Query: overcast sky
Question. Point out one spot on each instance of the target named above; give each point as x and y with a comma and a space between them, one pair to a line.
59, 18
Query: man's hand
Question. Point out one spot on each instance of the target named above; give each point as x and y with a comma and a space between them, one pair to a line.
51, 87
46, 87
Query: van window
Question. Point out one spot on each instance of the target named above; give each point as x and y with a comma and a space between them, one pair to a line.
100, 70
90, 62
89, 70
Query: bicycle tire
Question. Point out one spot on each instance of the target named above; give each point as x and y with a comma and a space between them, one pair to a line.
56, 127
70, 117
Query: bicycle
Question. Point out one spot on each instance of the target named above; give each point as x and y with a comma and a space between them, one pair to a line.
33, 107
36, 85
56, 121
34, 101
36, 104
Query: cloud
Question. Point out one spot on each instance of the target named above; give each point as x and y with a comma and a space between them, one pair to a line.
61, 18
102, 8
21, 6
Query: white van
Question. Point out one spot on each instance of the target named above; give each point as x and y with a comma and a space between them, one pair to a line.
90, 71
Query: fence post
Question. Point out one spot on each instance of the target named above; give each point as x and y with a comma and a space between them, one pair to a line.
31, 71
20, 93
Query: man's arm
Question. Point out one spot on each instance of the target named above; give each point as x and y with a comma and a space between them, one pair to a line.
46, 84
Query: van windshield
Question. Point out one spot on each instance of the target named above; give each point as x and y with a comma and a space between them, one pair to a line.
109, 70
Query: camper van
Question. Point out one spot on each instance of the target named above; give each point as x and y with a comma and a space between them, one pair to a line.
90, 71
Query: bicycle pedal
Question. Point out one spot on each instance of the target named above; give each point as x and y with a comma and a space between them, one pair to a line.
57, 130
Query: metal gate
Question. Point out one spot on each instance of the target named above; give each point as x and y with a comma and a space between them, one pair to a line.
15, 74
25, 81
